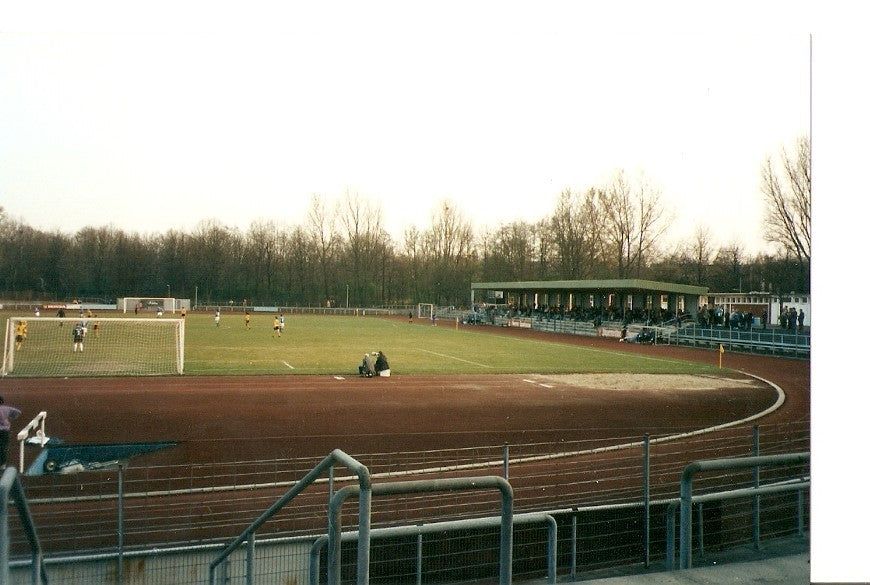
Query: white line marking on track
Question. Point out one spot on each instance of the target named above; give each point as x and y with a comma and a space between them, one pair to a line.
288, 365
339, 377
536, 383
455, 358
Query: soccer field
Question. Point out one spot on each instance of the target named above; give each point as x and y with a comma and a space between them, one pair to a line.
326, 345
335, 345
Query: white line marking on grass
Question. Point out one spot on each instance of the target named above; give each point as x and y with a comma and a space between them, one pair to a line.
288, 365
455, 358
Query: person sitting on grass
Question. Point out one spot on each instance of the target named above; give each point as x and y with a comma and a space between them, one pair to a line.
366, 368
381, 364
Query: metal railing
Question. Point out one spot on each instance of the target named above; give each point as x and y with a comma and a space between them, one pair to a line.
418, 487
715, 465
327, 464
441, 527
569, 480
754, 492
10, 485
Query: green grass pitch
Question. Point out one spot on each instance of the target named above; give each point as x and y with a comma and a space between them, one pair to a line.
335, 345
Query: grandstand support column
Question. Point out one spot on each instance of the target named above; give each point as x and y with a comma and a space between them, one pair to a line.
672, 303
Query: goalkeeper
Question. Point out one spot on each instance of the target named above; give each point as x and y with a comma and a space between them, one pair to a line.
20, 334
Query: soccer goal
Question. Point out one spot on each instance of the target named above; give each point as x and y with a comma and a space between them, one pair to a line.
425, 310
55, 346
146, 305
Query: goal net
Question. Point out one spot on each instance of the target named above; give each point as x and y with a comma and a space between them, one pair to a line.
146, 305
51, 347
425, 310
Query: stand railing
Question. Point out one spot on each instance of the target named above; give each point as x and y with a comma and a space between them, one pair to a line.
10, 485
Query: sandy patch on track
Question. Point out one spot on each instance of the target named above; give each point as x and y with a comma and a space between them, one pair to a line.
650, 381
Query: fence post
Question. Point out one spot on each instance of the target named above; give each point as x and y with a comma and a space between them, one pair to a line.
646, 518
574, 544
507, 461
756, 530
249, 559
419, 558
120, 577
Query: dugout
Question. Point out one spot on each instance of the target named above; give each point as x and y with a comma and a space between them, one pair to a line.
619, 294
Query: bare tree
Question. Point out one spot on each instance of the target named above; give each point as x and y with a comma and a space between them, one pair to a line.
702, 253
727, 265
261, 254
576, 229
787, 194
321, 229
450, 243
415, 260
366, 241
514, 251
633, 213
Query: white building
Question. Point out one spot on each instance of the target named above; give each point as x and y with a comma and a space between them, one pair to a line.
758, 302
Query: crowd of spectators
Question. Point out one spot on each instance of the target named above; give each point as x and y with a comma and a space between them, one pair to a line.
596, 315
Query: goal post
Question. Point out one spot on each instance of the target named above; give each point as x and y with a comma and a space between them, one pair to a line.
146, 305
112, 346
425, 310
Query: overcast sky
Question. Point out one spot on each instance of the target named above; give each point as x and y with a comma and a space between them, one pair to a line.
150, 123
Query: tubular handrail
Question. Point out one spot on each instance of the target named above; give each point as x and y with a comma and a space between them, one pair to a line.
440, 527
10, 484
416, 487
337, 456
714, 465
671, 512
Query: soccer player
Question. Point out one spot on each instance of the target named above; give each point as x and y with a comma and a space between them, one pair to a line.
276, 327
281, 323
247, 320
217, 317
20, 333
78, 338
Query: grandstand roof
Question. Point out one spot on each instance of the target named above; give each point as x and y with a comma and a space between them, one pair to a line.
606, 285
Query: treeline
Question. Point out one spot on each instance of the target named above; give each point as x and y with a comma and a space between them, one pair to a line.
341, 253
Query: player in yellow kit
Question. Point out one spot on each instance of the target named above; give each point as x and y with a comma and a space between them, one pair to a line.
20, 333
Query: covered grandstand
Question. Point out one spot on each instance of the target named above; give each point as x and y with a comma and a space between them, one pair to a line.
613, 298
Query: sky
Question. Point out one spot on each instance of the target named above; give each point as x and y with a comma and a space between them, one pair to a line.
157, 116
149, 124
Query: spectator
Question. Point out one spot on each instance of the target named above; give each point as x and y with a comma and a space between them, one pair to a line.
381, 364
7, 415
366, 368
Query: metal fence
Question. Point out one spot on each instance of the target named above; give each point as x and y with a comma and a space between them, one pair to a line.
771, 340
162, 525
